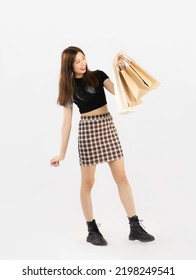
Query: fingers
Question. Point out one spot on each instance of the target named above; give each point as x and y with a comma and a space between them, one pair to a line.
54, 162
118, 59
120, 55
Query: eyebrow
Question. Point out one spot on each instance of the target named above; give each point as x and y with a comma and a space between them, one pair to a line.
79, 58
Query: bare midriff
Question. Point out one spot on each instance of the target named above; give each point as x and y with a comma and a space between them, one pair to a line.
99, 111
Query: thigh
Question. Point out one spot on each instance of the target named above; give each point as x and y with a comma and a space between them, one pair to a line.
118, 169
88, 173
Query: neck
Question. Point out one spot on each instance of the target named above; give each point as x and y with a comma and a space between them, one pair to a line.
78, 76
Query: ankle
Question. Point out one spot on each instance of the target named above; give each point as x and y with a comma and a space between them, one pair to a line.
133, 219
90, 222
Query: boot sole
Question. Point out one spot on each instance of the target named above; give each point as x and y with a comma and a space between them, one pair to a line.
97, 244
141, 240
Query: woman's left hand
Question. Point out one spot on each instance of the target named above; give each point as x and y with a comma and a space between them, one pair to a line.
118, 59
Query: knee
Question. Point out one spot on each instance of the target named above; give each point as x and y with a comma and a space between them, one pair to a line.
121, 179
87, 184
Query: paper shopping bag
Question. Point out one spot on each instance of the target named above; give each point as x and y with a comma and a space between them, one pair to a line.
131, 83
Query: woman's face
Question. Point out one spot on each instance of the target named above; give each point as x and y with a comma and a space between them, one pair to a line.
79, 65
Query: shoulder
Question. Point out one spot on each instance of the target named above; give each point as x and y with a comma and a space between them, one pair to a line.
101, 75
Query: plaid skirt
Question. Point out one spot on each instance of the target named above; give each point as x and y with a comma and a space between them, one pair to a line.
98, 140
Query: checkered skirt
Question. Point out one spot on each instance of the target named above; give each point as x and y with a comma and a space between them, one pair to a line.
98, 140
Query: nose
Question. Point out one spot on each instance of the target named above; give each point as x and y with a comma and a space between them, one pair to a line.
83, 65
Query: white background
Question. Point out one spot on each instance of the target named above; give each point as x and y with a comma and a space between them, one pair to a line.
40, 212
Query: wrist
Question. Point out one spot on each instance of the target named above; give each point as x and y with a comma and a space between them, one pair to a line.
62, 156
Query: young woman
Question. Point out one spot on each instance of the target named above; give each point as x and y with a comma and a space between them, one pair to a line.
98, 140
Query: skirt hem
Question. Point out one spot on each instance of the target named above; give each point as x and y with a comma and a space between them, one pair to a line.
104, 161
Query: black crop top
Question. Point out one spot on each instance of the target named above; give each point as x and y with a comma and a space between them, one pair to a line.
88, 99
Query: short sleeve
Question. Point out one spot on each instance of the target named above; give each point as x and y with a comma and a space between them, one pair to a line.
102, 76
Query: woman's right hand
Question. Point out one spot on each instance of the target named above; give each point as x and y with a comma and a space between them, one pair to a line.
55, 161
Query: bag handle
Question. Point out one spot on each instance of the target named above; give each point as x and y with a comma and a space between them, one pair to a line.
127, 58
122, 65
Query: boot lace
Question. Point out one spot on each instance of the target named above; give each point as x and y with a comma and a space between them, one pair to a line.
140, 222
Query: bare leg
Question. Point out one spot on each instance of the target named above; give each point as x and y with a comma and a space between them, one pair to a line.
87, 181
124, 189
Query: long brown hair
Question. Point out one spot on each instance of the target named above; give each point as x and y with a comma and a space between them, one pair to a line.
66, 81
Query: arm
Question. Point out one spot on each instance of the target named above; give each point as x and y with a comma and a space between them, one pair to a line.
108, 84
66, 128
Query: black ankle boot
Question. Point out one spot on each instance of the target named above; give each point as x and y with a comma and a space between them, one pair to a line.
95, 237
137, 232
